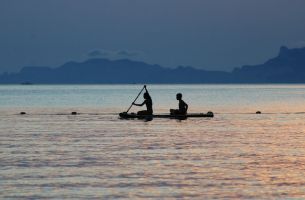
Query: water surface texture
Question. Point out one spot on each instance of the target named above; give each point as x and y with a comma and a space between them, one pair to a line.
50, 154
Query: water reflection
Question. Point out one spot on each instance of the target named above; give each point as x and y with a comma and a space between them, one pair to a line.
99, 156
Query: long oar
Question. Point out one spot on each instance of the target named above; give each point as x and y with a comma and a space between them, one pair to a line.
136, 98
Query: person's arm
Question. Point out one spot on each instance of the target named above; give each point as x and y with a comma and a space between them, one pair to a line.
186, 107
139, 104
146, 89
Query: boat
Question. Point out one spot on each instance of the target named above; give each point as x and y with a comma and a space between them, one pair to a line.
26, 83
125, 115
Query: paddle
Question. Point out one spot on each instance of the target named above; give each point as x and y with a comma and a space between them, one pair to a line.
144, 87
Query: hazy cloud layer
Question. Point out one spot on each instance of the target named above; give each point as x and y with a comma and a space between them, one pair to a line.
298, 44
118, 54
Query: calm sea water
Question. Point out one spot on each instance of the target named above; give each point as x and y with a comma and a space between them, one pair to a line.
50, 154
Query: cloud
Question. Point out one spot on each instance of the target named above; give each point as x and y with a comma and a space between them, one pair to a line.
113, 54
95, 53
127, 53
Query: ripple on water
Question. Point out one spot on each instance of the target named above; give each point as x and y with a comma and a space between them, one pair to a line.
100, 156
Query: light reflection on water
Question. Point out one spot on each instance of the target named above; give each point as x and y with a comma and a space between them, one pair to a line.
247, 156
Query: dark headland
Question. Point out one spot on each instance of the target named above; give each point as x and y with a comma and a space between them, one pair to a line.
287, 67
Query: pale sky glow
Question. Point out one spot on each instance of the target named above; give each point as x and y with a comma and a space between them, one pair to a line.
209, 34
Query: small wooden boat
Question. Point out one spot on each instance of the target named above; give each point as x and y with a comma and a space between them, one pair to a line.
125, 115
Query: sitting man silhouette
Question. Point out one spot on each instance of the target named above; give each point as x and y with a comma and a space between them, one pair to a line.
147, 102
182, 106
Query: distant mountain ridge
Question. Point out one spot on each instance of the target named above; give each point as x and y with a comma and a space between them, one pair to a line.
287, 67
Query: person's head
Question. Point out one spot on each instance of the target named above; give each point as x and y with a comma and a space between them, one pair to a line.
179, 96
146, 95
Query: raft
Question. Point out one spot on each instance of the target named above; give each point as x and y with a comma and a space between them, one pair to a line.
125, 115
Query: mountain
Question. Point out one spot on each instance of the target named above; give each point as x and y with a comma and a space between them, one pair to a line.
96, 71
287, 67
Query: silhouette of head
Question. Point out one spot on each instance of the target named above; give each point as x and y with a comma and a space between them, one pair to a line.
179, 96
146, 95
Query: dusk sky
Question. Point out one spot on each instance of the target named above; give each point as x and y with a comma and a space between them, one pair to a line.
208, 34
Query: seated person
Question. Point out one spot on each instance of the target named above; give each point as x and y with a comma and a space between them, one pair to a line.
182, 106
147, 102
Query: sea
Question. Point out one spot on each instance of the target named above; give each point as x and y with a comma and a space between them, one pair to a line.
48, 153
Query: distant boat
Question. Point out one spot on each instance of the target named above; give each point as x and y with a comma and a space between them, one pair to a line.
26, 83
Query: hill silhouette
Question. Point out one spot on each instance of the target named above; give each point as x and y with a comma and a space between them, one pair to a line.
287, 67
95, 71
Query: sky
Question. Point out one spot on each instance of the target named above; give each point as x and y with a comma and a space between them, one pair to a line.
207, 34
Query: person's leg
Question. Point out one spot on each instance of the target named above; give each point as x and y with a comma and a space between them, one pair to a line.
144, 112
174, 112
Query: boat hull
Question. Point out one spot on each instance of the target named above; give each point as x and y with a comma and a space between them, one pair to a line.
125, 115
